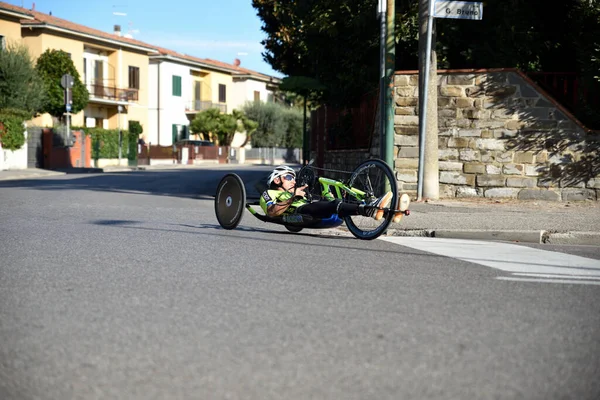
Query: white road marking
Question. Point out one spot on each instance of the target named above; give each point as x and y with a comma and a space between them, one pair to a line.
541, 265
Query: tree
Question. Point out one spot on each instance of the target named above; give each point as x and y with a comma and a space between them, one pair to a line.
212, 122
21, 94
277, 126
244, 124
51, 66
332, 41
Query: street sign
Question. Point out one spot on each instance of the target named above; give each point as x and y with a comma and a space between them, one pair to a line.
68, 108
458, 9
66, 81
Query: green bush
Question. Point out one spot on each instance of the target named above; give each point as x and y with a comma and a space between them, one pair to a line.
105, 143
12, 134
135, 128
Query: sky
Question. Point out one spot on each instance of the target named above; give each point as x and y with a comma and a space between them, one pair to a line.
222, 30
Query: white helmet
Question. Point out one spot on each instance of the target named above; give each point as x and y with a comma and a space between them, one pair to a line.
280, 171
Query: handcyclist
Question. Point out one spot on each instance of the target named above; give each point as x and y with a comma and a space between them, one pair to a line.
283, 197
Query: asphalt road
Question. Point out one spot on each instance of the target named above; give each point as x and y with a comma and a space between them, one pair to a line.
124, 286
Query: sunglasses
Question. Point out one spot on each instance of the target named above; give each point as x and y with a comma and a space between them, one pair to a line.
289, 177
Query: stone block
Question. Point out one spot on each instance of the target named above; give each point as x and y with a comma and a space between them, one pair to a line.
474, 168
541, 157
408, 152
491, 169
450, 166
452, 91
524, 157
460, 142
521, 182
405, 111
448, 155
500, 91
462, 192
401, 80
407, 101
407, 120
406, 140
502, 114
474, 91
465, 102
447, 113
406, 175
406, 163
407, 91
463, 123
538, 194
406, 130
491, 180
593, 183
456, 178
469, 155
504, 157
469, 132
446, 102
474, 113
487, 134
513, 125
447, 191
533, 170
468, 79
499, 193
578, 194
489, 123
505, 133
512, 169
490, 144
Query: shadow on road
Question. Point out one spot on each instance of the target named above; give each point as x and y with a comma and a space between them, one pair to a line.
189, 183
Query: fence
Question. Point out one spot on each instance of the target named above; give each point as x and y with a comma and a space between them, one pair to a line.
189, 154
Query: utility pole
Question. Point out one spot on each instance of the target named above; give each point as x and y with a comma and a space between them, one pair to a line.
387, 55
428, 183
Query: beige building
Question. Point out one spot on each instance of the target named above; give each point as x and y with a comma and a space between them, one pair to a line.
113, 68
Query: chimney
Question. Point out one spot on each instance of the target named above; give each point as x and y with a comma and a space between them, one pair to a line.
237, 62
118, 30
33, 7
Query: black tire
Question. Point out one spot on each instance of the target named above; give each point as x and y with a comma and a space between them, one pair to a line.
230, 201
308, 176
292, 228
375, 178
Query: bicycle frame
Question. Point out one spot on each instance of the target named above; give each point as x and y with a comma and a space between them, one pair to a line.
327, 184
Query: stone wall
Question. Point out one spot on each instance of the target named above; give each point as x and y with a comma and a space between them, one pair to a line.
500, 136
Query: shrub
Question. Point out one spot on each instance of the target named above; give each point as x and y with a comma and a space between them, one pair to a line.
12, 134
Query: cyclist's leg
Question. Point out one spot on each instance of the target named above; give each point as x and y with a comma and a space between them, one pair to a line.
324, 209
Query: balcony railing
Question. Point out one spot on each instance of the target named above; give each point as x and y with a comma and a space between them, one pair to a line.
112, 93
198, 105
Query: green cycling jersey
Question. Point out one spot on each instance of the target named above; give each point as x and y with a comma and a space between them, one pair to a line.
270, 197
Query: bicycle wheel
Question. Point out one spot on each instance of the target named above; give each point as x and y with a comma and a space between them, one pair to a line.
374, 178
292, 228
307, 176
230, 201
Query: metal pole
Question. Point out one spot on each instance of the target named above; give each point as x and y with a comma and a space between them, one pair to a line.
423, 111
381, 8
390, 61
119, 124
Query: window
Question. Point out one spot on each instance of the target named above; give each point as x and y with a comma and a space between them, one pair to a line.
222, 93
2, 42
176, 85
256, 96
134, 78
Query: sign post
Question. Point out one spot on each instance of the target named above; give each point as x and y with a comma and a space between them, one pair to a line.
439, 9
66, 81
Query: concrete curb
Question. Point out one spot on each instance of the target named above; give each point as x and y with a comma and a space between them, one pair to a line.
524, 236
29, 175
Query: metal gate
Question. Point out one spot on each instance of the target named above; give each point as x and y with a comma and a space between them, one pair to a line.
35, 152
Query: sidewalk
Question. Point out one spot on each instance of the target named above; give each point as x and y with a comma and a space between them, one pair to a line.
483, 219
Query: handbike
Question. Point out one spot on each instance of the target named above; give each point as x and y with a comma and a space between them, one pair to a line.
369, 181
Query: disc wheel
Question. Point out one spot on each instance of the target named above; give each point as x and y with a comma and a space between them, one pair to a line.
230, 201
374, 178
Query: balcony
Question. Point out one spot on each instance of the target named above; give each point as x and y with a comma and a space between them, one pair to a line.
197, 105
99, 91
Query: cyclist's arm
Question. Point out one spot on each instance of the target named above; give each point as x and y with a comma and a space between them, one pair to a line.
277, 208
